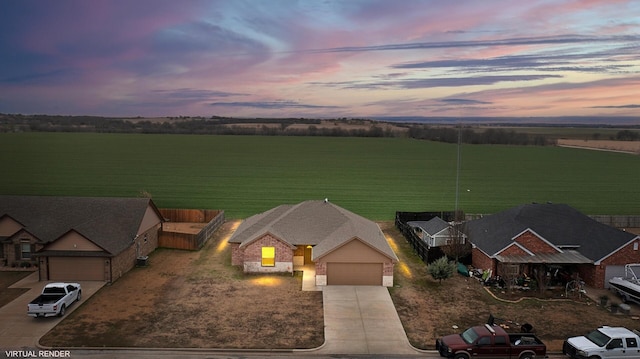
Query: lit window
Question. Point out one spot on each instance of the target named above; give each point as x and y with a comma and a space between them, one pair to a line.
268, 256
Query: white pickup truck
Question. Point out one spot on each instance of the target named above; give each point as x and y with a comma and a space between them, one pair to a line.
54, 300
604, 342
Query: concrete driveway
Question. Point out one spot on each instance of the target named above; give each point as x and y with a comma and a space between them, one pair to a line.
17, 329
362, 320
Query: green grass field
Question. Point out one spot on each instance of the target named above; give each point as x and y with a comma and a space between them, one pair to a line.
374, 177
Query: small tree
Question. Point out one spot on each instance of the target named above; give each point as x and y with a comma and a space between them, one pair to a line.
441, 269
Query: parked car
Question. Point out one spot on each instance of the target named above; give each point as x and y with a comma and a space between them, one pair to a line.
604, 342
491, 341
54, 300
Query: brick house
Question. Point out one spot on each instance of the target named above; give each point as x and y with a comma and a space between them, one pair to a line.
555, 238
343, 247
77, 238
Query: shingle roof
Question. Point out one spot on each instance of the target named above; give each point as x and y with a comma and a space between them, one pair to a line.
560, 224
433, 226
321, 224
110, 223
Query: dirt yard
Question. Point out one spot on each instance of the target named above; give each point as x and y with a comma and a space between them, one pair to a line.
197, 299
604, 145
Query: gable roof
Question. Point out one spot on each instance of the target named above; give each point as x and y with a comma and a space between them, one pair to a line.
431, 227
321, 224
111, 223
558, 224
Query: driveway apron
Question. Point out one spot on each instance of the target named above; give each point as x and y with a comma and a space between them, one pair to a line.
17, 329
362, 320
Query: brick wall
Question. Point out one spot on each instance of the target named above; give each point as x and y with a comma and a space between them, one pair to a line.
237, 255
253, 254
587, 273
627, 254
143, 245
534, 244
514, 250
482, 261
10, 249
122, 263
321, 268
387, 269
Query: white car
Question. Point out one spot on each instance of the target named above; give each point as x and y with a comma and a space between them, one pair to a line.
54, 300
604, 342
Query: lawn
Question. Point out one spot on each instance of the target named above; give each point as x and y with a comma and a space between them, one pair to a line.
374, 177
8, 278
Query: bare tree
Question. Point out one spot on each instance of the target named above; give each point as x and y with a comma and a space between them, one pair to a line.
542, 277
457, 245
509, 273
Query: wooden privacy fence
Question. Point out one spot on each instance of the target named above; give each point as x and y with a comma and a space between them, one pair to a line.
189, 241
618, 221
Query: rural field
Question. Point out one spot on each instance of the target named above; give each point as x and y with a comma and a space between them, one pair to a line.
374, 177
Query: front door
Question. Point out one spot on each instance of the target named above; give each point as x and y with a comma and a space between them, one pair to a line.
307, 255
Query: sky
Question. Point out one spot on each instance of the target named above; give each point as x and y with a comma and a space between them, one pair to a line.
320, 58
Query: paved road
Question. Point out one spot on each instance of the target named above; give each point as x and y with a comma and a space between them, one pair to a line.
360, 322
212, 354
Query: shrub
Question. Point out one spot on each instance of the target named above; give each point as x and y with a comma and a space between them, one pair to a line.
441, 269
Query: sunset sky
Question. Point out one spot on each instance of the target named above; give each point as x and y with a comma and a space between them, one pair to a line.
320, 58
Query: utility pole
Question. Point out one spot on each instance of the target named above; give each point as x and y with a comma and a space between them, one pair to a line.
458, 175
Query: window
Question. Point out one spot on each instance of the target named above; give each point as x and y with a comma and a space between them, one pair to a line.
632, 343
25, 250
500, 340
615, 343
268, 256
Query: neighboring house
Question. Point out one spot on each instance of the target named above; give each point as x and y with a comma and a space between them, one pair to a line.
345, 248
436, 232
551, 236
77, 238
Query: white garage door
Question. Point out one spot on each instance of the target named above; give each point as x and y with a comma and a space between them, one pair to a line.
354, 273
76, 268
612, 271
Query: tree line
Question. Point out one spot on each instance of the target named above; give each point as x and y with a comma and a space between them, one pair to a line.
276, 127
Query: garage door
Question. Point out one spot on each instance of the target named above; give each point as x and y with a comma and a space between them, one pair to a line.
354, 273
76, 268
612, 271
